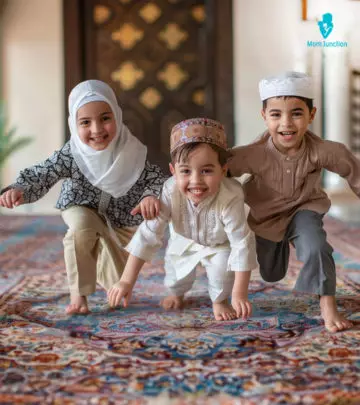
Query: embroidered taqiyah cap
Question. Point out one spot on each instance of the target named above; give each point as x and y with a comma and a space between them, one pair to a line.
198, 130
286, 84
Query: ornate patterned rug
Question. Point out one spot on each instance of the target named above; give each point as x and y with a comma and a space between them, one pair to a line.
144, 355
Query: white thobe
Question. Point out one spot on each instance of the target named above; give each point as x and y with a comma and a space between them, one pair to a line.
214, 233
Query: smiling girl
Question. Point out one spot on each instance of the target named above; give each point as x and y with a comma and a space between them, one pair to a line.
107, 182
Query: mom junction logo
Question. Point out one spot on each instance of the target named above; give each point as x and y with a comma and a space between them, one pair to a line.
326, 27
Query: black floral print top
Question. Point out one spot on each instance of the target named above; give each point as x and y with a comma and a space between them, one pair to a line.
37, 180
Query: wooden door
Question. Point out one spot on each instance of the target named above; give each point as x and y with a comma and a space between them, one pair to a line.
167, 60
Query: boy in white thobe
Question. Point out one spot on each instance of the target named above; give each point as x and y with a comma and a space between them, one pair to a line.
207, 215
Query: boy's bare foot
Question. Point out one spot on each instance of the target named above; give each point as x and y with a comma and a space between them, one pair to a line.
223, 311
78, 305
334, 321
173, 302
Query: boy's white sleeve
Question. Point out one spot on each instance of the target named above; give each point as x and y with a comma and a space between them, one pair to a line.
242, 239
149, 236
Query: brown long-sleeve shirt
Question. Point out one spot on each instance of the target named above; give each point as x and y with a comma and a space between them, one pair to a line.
281, 185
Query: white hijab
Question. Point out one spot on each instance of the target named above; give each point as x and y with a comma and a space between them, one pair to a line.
117, 168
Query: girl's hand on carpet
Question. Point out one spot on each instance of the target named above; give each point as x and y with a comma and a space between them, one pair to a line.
121, 290
12, 198
242, 306
149, 208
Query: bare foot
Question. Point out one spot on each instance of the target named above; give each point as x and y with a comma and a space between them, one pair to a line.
78, 305
223, 311
334, 321
173, 302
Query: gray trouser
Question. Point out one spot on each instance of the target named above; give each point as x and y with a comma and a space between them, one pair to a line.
306, 232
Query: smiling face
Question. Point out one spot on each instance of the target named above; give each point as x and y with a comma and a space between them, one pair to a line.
287, 119
96, 125
199, 175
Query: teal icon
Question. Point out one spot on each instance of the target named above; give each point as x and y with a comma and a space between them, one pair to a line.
326, 25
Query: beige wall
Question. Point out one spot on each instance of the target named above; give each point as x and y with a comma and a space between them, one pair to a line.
263, 45
32, 61
269, 37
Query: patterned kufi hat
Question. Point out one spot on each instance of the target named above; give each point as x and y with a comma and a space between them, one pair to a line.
198, 130
286, 84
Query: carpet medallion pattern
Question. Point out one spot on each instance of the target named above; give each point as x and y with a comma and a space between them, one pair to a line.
145, 355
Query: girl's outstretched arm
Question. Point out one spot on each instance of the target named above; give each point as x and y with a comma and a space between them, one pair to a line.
37, 180
11, 198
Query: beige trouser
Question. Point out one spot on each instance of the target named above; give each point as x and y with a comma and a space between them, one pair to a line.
91, 254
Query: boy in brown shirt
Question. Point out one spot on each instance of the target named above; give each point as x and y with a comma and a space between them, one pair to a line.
284, 193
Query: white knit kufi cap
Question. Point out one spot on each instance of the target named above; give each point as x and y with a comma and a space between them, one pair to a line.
286, 84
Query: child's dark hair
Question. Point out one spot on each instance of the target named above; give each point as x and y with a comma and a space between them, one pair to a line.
181, 154
307, 101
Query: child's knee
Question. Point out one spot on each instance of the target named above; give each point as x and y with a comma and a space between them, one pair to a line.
273, 274
313, 247
81, 223
80, 236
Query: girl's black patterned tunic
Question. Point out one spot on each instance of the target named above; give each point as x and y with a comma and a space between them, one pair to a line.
37, 180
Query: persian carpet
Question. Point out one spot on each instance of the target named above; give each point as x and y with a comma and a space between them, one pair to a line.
144, 355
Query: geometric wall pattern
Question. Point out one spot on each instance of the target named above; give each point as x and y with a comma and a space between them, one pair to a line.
154, 54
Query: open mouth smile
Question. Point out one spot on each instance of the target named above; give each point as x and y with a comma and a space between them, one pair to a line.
196, 191
287, 135
99, 139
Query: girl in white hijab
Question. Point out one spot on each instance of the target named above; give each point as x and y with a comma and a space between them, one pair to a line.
107, 183
115, 166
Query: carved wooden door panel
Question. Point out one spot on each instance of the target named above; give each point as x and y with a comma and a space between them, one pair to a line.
160, 57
